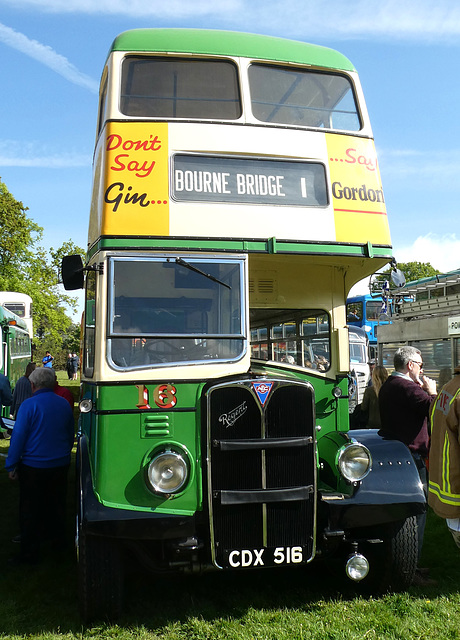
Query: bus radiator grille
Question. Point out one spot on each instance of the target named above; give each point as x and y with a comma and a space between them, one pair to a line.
261, 467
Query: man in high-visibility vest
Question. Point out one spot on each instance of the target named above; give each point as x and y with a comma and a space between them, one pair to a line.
444, 461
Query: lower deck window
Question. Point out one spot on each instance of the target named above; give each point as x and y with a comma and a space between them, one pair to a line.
300, 337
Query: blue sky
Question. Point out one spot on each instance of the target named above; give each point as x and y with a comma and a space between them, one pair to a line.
406, 52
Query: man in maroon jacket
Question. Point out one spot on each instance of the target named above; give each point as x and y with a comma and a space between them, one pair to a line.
404, 402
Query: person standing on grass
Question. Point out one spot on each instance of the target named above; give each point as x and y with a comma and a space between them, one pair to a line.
370, 403
68, 366
75, 363
39, 457
404, 403
47, 360
6, 397
63, 392
23, 389
444, 481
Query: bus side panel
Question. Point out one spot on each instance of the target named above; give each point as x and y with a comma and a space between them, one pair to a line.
120, 479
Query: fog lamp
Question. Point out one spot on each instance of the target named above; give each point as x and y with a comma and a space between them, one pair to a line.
357, 567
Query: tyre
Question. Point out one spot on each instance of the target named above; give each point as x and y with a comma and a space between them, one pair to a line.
100, 578
394, 560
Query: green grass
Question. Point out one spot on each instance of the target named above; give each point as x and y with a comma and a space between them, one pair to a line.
307, 603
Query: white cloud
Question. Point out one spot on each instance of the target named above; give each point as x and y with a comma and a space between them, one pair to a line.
440, 165
421, 20
16, 154
45, 55
46, 162
135, 8
441, 251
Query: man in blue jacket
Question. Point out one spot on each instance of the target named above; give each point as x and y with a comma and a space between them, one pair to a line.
39, 457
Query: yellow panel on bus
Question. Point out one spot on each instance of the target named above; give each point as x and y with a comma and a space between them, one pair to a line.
339, 182
357, 194
135, 173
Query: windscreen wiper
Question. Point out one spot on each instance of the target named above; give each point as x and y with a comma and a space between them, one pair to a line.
183, 263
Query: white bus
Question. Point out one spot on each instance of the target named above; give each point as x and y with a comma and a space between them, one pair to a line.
359, 364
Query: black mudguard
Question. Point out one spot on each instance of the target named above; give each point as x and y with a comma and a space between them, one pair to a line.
391, 492
97, 519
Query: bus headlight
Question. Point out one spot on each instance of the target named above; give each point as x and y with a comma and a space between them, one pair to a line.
354, 462
167, 472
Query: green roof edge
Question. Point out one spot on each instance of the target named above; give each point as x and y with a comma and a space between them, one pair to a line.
230, 43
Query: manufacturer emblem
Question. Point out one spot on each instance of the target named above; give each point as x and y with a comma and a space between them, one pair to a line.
263, 390
229, 419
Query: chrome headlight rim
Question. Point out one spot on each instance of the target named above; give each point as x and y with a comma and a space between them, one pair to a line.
168, 471
357, 567
354, 461
85, 405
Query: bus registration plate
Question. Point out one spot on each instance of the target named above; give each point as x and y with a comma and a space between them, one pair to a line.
264, 557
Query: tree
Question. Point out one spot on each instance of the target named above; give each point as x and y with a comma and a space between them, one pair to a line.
26, 267
18, 234
417, 270
411, 270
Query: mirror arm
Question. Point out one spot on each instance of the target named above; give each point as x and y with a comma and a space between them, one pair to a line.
98, 268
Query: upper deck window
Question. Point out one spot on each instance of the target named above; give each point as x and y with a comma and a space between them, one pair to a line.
18, 308
178, 88
302, 97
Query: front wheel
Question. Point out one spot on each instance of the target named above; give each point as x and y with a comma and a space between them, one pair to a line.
394, 560
100, 578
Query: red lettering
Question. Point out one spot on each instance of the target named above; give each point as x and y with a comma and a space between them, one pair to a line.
120, 164
349, 153
116, 140
369, 163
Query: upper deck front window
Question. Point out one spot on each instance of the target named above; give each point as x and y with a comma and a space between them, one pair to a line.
171, 311
18, 308
180, 88
301, 97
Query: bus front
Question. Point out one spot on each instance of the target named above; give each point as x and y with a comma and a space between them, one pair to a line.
236, 200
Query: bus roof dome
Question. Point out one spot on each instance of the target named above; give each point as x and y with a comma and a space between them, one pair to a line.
230, 43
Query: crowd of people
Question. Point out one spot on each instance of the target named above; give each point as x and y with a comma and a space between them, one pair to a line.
39, 456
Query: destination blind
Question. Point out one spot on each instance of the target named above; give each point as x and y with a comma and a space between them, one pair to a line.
249, 181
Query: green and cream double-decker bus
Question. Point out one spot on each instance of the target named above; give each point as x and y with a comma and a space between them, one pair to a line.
236, 200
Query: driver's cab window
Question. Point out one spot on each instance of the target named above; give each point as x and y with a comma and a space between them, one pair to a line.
89, 324
165, 311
